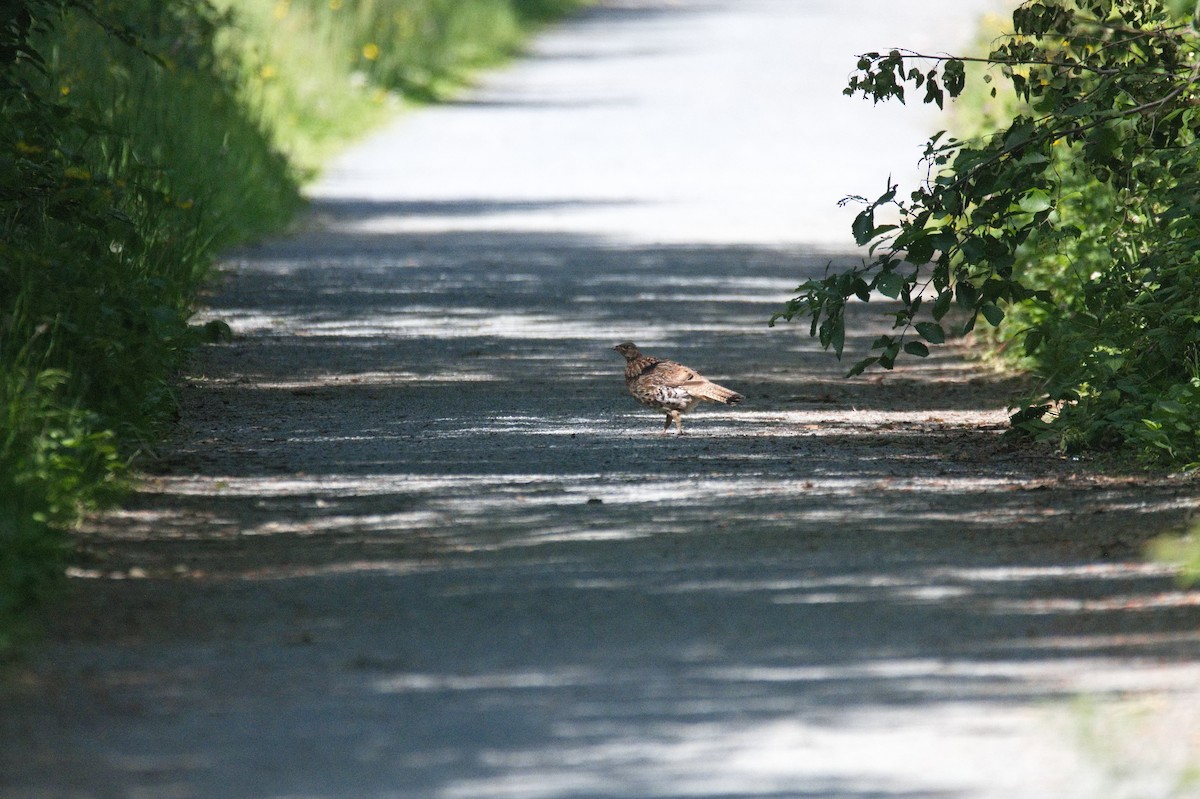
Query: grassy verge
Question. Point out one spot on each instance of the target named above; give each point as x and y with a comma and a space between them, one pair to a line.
137, 139
325, 71
120, 175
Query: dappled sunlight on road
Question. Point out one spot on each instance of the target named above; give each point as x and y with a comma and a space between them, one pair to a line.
746, 744
414, 539
477, 510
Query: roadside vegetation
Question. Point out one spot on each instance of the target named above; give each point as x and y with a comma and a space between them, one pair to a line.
1065, 215
321, 72
137, 140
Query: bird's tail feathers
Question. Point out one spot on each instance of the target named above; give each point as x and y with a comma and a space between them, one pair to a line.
714, 393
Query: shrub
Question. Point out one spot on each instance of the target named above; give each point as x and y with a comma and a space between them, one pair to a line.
1072, 226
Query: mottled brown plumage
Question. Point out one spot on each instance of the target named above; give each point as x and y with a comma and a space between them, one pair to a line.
668, 386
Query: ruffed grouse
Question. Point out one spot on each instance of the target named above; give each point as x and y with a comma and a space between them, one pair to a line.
668, 386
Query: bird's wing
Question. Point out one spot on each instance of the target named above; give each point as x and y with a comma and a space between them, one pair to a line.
669, 373
679, 376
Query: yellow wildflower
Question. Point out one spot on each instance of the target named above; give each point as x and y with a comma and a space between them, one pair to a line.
370, 51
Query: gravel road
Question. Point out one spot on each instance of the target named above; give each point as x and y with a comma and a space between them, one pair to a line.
413, 540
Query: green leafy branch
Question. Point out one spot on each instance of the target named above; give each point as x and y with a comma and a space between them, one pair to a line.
1113, 81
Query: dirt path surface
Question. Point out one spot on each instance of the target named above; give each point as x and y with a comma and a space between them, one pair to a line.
413, 540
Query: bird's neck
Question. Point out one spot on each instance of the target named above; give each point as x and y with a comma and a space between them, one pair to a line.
635, 367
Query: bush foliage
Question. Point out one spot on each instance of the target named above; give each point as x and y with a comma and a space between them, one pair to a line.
1072, 226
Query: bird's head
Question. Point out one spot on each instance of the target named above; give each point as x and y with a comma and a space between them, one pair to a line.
628, 349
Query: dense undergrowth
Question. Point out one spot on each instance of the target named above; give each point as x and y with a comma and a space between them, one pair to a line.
137, 139
1116, 352
1067, 218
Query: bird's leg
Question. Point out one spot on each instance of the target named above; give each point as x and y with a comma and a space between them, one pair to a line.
678, 421
667, 425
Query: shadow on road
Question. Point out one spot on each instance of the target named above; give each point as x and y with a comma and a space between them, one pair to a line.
415, 540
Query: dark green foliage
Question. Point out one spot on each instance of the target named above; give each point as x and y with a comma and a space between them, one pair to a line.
545, 10
125, 159
1074, 228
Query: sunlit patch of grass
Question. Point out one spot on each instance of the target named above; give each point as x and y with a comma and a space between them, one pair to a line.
326, 71
312, 99
1139, 745
1180, 551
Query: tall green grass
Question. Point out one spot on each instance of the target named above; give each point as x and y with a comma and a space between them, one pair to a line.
121, 174
137, 139
326, 71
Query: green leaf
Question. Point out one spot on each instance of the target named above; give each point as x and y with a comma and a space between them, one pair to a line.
833, 335
931, 332
967, 294
889, 284
1034, 201
974, 248
992, 313
916, 348
1033, 340
942, 304
920, 250
864, 226
861, 366
861, 289
1021, 131
954, 76
969, 324
838, 339
933, 92
888, 359
1102, 142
